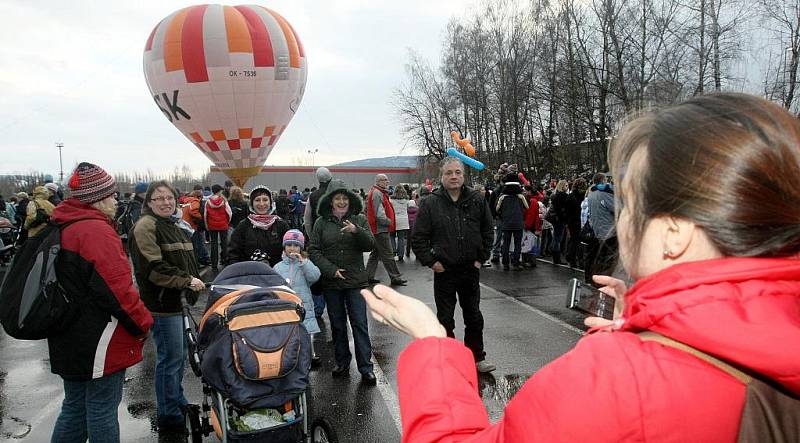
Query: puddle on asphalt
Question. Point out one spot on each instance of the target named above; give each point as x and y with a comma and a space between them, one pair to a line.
500, 390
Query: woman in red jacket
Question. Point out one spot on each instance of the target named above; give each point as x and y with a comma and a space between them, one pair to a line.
708, 216
92, 355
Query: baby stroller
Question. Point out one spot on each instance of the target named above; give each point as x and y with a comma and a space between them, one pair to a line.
253, 355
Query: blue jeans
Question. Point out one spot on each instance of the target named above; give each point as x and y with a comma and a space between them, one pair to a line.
399, 242
90, 410
344, 303
319, 304
558, 235
498, 238
200, 251
170, 359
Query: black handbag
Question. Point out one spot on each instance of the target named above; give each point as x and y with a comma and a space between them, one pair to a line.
586, 235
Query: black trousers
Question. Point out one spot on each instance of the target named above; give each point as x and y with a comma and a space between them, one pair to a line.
601, 258
573, 242
219, 239
461, 284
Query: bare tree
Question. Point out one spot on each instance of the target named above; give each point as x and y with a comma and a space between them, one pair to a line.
782, 18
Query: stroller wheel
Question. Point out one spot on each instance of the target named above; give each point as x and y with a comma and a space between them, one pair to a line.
322, 432
195, 430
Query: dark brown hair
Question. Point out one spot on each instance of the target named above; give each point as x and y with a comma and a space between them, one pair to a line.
151, 188
728, 162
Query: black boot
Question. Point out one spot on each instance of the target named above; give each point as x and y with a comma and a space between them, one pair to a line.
557, 258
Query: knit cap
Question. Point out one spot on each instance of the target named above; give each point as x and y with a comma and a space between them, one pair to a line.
294, 237
91, 183
52, 187
140, 188
323, 175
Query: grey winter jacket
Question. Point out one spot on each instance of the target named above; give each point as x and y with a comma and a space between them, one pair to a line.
601, 211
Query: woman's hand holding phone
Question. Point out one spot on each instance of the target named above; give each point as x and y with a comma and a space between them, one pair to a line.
612, 287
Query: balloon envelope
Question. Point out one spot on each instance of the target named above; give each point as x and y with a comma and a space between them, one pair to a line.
230, 78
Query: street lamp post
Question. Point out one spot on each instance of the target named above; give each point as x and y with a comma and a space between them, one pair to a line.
313, 153
60, 145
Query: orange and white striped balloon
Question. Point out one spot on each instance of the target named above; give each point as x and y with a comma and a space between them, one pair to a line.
230, 78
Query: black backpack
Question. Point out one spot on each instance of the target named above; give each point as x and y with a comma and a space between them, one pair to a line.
33, 305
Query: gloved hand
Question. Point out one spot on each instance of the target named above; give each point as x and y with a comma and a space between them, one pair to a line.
191, 297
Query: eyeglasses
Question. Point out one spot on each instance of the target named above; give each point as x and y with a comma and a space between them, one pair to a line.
167, 199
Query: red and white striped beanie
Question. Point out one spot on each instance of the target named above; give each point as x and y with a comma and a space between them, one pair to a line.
91, 183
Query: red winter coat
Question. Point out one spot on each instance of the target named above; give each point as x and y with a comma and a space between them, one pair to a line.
217, 213
532, 221
95, 271
615, 387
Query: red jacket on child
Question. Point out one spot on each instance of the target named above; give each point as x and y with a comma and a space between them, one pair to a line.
217, 213
532, 221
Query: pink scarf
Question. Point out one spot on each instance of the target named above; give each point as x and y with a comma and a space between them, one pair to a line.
264, 221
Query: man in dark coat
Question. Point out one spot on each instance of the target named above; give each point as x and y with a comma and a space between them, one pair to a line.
453, 236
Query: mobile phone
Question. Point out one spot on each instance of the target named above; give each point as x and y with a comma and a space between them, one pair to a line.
585, 297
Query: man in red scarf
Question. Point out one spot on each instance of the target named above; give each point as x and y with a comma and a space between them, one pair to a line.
380, 215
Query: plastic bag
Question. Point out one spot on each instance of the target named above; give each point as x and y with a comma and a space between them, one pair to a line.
258, 419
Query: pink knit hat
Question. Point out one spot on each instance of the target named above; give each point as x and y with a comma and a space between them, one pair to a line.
91, 183
294, 237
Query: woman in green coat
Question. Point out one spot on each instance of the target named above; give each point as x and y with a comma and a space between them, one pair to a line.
340, 237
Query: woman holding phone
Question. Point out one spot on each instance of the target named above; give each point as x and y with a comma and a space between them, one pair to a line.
708, 218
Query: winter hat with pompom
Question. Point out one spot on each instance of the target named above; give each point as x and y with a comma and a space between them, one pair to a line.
91, 183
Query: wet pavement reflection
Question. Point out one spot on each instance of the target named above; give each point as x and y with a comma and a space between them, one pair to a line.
518, 341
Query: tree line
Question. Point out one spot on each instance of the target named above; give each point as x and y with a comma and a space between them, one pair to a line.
183, 178
545, 84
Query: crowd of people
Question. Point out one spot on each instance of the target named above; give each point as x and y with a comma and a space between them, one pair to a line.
315, 239
697, 257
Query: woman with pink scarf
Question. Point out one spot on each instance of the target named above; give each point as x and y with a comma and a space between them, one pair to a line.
261, 232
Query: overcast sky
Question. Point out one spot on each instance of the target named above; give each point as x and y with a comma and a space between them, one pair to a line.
71, 72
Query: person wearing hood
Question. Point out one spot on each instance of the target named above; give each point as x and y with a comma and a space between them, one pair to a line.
191, 214
56, 196
716, 268
262, 230
164, 264
38, 211
338, 242
107, 337
217, 216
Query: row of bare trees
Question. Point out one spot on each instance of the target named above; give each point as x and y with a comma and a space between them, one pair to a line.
182, 178
545, 84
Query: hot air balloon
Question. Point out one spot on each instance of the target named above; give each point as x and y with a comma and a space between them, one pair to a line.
230, 78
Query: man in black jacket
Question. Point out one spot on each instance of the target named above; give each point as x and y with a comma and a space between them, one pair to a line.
453, 236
